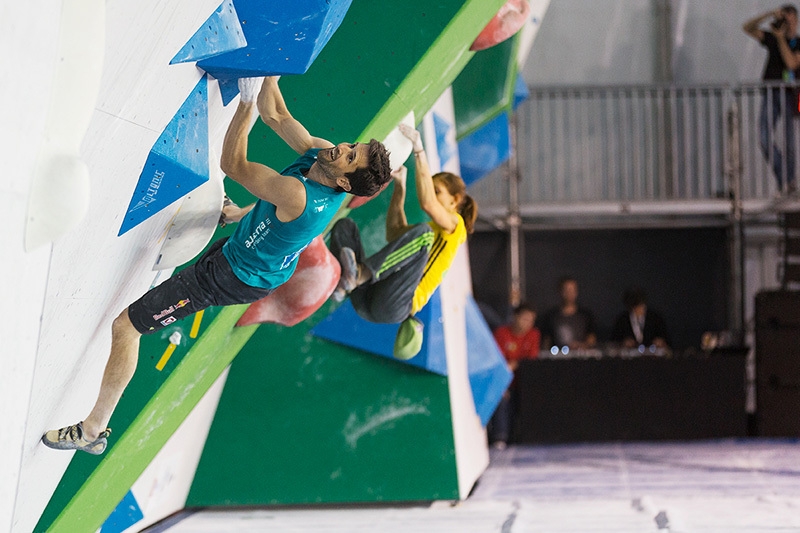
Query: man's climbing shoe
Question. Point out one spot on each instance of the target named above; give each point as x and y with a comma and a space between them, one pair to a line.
71, 438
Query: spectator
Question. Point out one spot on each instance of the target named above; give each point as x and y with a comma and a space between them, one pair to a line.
518, 340
569, 324
638, 325
783, 60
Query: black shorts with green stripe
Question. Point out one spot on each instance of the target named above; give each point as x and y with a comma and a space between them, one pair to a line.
396, 269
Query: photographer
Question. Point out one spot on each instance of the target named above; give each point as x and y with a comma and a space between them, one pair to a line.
783, 60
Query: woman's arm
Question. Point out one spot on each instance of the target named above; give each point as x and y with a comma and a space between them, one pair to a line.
426, 193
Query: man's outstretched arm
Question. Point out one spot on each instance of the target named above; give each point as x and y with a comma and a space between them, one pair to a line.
275, 114
396, 222
752, 26
287, 194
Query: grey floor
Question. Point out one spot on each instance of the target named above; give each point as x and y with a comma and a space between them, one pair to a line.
719, 486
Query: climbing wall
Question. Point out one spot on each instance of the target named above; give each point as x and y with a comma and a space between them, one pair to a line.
486, 91
381, 63
353, 426
24, 275
73, 287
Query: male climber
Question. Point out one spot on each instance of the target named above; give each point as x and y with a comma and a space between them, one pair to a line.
293, 207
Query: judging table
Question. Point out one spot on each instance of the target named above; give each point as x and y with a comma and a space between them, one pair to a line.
593, 395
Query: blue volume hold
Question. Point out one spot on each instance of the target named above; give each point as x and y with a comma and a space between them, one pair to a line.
345, 327
127, 513
282, 37
220, 33
521, 92
228, 89
178, 162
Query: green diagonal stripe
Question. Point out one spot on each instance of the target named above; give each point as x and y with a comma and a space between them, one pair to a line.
408, 250
156, 423
438, 67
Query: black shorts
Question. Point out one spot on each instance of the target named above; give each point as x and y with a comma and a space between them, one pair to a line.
209, 281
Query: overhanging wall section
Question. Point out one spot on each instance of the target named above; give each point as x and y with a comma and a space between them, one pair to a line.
302, 420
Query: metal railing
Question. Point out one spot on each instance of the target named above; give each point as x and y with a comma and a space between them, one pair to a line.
691, 147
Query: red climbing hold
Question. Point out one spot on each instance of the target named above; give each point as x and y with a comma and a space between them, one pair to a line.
504, 24
309, 287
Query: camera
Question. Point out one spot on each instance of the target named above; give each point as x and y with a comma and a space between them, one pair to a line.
778, 23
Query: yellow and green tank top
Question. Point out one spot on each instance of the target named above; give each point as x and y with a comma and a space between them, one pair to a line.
443, 250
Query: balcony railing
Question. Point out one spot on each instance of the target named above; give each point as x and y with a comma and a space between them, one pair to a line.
649, 149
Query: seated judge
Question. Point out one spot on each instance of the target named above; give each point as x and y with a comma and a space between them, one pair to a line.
638, 325
569, 324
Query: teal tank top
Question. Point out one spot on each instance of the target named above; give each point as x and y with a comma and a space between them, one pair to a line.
263, 250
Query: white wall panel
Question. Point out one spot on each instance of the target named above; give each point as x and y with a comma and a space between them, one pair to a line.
469, 436
25, 90
93, 274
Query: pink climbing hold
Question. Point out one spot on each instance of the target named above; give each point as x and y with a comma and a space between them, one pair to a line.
504, 24
309, 287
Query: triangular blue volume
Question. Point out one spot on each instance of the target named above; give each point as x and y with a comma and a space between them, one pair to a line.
282, 37
220, 33
228, 89
178, 162
345, 327
489, 375
124, 516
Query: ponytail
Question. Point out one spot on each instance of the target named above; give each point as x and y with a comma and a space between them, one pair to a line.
469, 212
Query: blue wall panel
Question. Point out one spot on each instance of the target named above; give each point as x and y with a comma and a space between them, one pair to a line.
489, 375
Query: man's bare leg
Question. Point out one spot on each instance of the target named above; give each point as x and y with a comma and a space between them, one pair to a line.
90, 435
118, 373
